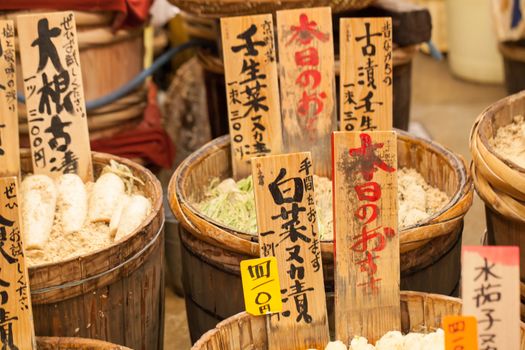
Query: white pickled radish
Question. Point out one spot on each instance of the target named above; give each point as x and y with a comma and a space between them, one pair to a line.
38, 203
133, 215
117, 214
72, 202
106, 193
335, 345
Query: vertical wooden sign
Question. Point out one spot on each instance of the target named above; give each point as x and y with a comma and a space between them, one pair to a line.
56, 110
491, 292
16, 317
9, 144
366, 74
307, 79
287, 225
250, 68
366, 234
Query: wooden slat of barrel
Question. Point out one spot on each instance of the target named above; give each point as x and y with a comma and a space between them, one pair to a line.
114, 294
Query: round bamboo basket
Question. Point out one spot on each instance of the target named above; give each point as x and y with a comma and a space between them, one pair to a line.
114, 294
419, 311
222, 8
52, 343
211, 252
109, 60
498, 181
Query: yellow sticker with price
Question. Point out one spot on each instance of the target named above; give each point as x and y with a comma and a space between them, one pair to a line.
461, 332
260, 283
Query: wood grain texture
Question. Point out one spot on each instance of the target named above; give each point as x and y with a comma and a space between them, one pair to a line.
307, 81
17, 319
366, 81
9, 144
287, 226
55, 101
367, 274
491, 293
252, 89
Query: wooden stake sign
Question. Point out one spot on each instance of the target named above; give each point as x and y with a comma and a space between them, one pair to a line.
491, 292
307, 78
366, 74
56, 110
367, 271
288, 230
9, 145
15, 298
250, 70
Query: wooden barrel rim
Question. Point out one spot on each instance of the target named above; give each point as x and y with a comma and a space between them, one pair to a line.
512, 52
464, 185
82, 267
62, 343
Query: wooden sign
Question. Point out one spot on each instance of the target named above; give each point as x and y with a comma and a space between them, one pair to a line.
307, 79
16, 331
491, 292
9, 144
366, 74
55, 103
261, 287
250, 70
287, 225
461, 332
367, 274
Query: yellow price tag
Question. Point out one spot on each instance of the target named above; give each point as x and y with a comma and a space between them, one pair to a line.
461, 332
260, 283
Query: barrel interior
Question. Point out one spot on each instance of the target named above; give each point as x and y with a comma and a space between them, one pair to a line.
439, 167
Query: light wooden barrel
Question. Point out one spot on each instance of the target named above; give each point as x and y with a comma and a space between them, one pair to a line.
418, 311
108, 60
211, 252
498, 181
54, 343
115, 294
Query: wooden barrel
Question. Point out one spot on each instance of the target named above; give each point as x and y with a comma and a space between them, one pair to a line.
211, 252
498, 181
514, 65
223, 8
419, 311
114, 294
53, 343
109, 60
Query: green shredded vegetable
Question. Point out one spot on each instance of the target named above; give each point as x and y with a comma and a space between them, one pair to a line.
125, 173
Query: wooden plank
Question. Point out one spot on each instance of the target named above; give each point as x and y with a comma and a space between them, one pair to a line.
55, 102
15, 297
366, 234
366, 74
412, 24
307, 80
9, 144
491, 293
287, 225
250, 70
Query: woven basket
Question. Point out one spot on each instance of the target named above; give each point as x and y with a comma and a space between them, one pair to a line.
222, 8
419, 312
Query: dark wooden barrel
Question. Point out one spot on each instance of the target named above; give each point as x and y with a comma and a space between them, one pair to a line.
115, 294
211, 253
53, 343
514, 65
499, 182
